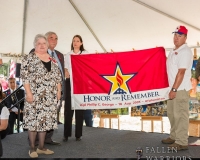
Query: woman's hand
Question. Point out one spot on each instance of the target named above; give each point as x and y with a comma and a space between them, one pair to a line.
29, 98
66, 73
58, 95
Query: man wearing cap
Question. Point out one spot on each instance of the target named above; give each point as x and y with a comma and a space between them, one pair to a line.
179, 63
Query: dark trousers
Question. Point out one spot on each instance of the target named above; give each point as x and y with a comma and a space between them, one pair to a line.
3, 134
1, 148
78, 122
88, 118
12, 119
68, 115
48, 137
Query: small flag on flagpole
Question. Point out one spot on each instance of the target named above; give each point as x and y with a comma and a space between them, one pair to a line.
12, 68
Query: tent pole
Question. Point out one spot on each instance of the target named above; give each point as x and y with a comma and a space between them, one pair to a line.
165, 14
79, 13
24, 26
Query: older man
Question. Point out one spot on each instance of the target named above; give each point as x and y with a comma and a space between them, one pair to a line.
53, 40
11, 100
179, 64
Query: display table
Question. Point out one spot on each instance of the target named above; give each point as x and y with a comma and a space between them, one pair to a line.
194, 127
194, 117
110, 117
152, 119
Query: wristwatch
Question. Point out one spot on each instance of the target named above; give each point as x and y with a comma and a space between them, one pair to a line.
174, 89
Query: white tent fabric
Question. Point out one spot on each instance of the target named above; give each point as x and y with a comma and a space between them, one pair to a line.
120, 25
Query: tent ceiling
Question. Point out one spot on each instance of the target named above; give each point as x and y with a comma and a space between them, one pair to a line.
120, 25
187, 11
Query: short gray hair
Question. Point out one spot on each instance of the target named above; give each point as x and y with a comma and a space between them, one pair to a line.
37, 37
50, 33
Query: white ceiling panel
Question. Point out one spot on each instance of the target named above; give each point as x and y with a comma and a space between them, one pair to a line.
119, 25
11, 18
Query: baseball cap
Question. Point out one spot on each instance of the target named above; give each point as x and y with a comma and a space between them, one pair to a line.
181, 30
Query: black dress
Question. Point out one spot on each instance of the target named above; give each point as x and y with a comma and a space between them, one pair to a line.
47, 65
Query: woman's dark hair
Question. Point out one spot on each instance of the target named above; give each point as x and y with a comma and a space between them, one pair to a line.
1, 93
81, 47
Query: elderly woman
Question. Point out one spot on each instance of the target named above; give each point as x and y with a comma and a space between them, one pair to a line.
41, 78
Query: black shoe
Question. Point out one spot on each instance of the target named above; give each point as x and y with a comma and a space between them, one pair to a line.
78, 139
53, 143
60, 122
65, 139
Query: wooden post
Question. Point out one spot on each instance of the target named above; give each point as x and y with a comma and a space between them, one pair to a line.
152, 127
101, 122
195, 54
118, 124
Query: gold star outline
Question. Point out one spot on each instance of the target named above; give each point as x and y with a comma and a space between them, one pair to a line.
119, 80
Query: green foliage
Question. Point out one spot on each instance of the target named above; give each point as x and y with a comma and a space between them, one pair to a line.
193, 73
4, 69
120, 111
